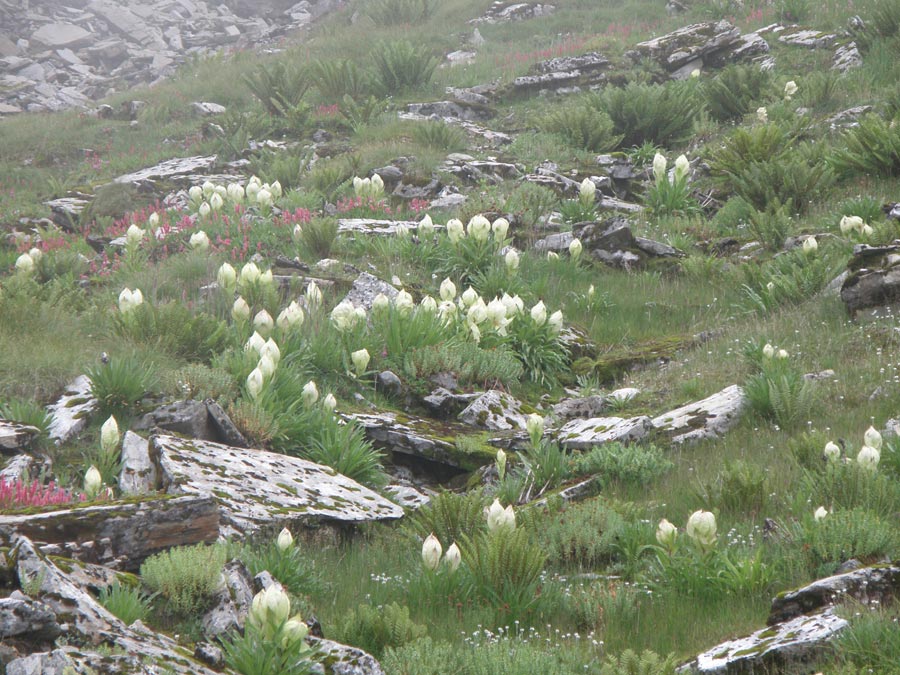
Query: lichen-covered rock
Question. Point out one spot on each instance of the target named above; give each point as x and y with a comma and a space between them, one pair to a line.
675, 49
375, 226
407, 496
366, 288
471, 112
421, 439
792, 641
70, 414
56, 662
25, 618
874, 278
494, 410
15, 437
709, 418
256, 488
180, 170
189, 418
811, 39
138, 475
503, 11
231, 603
444, 403
584, 407
869, 586
584, 434
338, 659
846, 58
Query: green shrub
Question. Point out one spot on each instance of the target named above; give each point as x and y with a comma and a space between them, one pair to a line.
583, 535
373, 629
31, 413
318, 236
471, 364
647, 663
280, 86
198, 381
780, 393
175, 329
120, 385
867, 208
337, 78
540, 350
790, 278
795, 11
400, 12
583, 125
849, 486
449, 516
296, 572
770, 227
439, 135
872, 148
345, 449
186, 577
127, 603
872, 642
661, 114
505, 570
846, 534
255, 652
400, 66
735, 91
740, 488
633, 465
360, 113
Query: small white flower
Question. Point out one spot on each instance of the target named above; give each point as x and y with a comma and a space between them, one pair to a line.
762, 115
25, 264
832, 451
431, 552
820, 513
810, 245
872, 438
285, 539
479, 228
448, 290
310, 393
575, 249
511, 259
539, 313
360, 359
263, 323
135, 235
868, 457
329, 403
199, 241
500, 227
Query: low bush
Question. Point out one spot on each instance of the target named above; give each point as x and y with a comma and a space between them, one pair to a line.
185, 577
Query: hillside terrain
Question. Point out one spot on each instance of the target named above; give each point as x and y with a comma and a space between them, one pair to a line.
406, 337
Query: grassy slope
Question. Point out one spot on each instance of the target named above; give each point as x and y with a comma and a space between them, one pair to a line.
49, 337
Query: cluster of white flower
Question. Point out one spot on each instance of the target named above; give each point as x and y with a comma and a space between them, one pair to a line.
368, 187
869, 454
855, 224
25, 263
210, 198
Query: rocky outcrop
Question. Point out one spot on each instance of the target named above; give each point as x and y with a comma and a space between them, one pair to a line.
72, 410
494, 410
585, 434
67, 55
15, 437
793, 641
709, 418
700, 45
503, 11
255, 488
874, 278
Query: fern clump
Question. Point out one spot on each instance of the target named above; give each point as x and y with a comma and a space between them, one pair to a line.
376, 628
186, 577
872, 148
401, 66
448, 516
648, 662
735, 91
583, 125
660, 114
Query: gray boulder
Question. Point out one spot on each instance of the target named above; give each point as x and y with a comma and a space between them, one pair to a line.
585, 434
494, 410
709, 418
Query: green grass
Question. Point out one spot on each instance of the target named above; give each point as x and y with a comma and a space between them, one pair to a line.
643, 323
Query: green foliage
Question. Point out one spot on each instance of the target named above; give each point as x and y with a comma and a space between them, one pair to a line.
795, 11
820, 90
439, 135
740, 488
583, 535
770, 227
28, 412
542, 468
280, 86
845, 534
173, 328
790, 278
400, 66
400, 12
186, 577
327, 178
870, 149
129, 604
540, 350
660, 114
360, 113
399, 332
449, 516
339, 78
318, 236
120, 385
667, 197
633, 465
872, 642
296, 572
198, 381
867, 208
583, 124
647, 663
780, 393
849, 486
345, 449
373, 629
471, 364
505, 569
735, 91
767, 167
255, 653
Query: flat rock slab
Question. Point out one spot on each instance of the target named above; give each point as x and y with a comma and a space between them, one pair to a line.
28, 618
255, 488
585, 434
15, 437
709, 418
366, 288
72, 411
869, 586
494, 410
421, 438
680, 47
376, 226
123, 534
794, 640
171, 169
